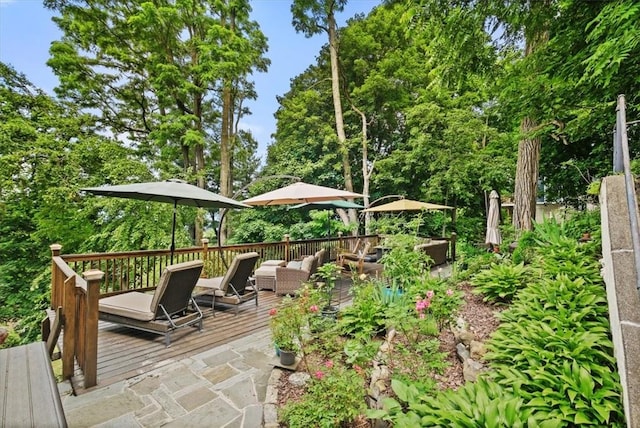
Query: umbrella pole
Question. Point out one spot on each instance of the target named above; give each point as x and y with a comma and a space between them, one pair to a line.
173, 230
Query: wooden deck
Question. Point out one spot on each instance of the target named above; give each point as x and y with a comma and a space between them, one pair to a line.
124, 352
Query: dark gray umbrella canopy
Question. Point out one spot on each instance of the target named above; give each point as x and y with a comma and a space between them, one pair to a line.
171, 191
176, 192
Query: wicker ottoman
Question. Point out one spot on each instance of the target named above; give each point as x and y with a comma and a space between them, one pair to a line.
266, 274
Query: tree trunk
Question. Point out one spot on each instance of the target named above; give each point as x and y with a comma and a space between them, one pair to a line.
526, 178
226, 137
526, 185
367, 169
337, 108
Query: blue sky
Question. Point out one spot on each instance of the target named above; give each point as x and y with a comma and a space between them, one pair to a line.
26, 31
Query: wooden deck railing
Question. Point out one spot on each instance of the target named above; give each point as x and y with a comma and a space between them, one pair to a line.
78, 298
79, 280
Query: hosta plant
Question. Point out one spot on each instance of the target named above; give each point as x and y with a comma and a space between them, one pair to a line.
502, 281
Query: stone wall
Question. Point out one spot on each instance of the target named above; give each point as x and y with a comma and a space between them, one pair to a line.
620, 275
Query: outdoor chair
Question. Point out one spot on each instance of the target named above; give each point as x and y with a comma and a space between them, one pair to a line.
234, 287
290, 279
170, 307
357, 258
349, 251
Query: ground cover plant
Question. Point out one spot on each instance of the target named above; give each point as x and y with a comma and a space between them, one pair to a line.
551, 360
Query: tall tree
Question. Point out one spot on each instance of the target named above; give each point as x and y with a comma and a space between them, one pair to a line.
160, 73
312, 17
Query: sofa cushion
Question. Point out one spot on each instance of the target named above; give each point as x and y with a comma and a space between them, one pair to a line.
307, 263
294, 264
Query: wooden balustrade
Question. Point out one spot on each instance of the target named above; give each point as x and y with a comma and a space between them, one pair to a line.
78, 298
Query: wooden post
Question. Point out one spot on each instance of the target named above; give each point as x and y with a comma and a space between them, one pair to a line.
205, 255
90, 370
56, 292
70, 323
287, 246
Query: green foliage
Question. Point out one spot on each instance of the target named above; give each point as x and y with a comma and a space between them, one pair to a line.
481, 403
443, 297
402, 265
366, 315
336, 396
551, 360
501, 282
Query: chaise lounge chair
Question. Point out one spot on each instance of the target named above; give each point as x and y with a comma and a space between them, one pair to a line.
232, 288
168, 308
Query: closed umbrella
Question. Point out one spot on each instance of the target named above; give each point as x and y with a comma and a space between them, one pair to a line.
170, 191
493, 236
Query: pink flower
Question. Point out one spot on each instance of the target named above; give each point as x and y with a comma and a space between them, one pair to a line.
328, 364
421, 305
273, 311
421, 316
429, 294
319, 374
449, 292
314, 308
358, 369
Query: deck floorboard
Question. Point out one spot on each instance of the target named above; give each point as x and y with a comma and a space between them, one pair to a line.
124, 352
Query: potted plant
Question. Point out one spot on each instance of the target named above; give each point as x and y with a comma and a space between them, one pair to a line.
286, 325
327, 275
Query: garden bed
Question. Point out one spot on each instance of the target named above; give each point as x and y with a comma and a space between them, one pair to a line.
482, 322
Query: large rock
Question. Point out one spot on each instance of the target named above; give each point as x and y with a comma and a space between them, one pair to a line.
463, 354
471, 370
477, 349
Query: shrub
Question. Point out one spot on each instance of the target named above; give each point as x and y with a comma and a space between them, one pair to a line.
336, 395
479, 404
501, 282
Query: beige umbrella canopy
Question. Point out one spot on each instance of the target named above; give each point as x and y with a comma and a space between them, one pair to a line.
406, 205
299, 193
493, 236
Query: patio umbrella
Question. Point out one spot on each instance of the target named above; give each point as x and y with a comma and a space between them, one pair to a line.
299, 193
493, 236
170, 191
328, 205
406, 205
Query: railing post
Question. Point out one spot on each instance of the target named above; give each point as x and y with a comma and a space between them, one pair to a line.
69, 305
90, 370
205, 256
287, 246
56, 293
